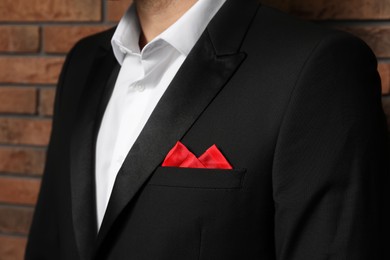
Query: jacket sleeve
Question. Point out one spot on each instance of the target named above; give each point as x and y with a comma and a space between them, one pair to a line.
43, 236
330, 172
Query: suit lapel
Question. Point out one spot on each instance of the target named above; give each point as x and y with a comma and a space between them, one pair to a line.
97, 91
202, 76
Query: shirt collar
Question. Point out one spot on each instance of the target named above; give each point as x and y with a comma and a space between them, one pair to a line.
126, 36
182, 35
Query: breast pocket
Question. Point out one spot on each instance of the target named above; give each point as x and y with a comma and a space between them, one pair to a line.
197, 178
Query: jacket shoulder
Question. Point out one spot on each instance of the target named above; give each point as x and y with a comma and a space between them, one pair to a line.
286, 30
277, 38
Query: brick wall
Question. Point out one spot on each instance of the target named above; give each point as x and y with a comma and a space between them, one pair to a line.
34, 37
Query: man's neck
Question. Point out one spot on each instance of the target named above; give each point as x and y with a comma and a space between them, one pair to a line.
156, 16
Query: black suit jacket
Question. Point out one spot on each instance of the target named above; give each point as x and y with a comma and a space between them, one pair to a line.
295, 108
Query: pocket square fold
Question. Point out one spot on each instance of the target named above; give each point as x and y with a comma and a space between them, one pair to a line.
180, 156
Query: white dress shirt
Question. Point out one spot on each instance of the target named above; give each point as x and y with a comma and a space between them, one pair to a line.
143, 78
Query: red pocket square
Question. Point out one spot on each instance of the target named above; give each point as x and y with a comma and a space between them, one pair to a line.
180, 156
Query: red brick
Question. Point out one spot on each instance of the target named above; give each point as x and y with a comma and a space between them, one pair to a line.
46, 101
384, 71
50, 10
19, 38
334, 9
22, 160
15, 219
33, 70
18, 190
377, 37
25, 131
19, 100
12, 248
116, 9
60, 39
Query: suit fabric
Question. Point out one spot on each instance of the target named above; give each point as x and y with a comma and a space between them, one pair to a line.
295, 108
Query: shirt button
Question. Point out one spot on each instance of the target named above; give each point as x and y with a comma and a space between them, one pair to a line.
139, 87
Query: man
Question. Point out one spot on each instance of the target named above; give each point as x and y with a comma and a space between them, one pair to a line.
298, 170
